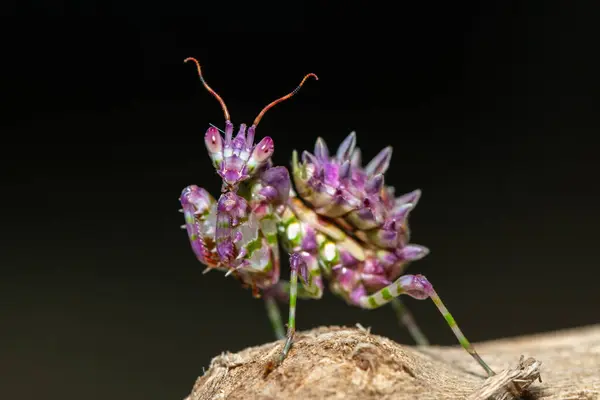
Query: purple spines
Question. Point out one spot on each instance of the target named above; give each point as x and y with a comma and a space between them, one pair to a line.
321, 150
412, 198
412, 252
228, 132
236, 159
346, 148
394, 232
372, 212
380, 163
328, 185
339, 187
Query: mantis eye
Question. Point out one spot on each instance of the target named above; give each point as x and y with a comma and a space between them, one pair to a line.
263, 150
213, 140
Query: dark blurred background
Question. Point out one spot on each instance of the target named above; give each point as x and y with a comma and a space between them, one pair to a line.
491, 109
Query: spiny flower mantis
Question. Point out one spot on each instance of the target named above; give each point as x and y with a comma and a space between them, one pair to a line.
338, 220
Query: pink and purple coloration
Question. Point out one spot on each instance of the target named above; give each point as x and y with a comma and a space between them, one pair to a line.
338, 220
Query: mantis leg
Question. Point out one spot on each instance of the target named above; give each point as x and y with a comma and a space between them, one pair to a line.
306, 266
273, 312
419, 287
274, 316
281, 292
406, 319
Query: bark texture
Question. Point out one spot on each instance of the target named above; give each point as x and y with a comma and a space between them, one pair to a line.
351, 363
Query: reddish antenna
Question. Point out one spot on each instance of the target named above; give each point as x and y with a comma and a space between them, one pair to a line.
223, 106
279, 100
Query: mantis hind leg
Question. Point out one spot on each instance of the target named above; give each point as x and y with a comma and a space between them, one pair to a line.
406, 319
418, 287
274, 316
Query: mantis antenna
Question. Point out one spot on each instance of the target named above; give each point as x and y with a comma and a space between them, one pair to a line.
279, 100
223, 106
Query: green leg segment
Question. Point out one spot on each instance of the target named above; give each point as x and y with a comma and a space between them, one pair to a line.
307, 267
419, 287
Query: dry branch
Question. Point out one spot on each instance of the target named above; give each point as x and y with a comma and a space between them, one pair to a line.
351, 363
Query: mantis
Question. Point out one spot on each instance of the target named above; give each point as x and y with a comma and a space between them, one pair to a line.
340, 223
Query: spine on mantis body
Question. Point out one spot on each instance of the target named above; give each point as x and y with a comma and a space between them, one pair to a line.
364, 228
340, 188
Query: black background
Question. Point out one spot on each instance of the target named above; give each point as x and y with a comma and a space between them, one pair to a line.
491, 109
